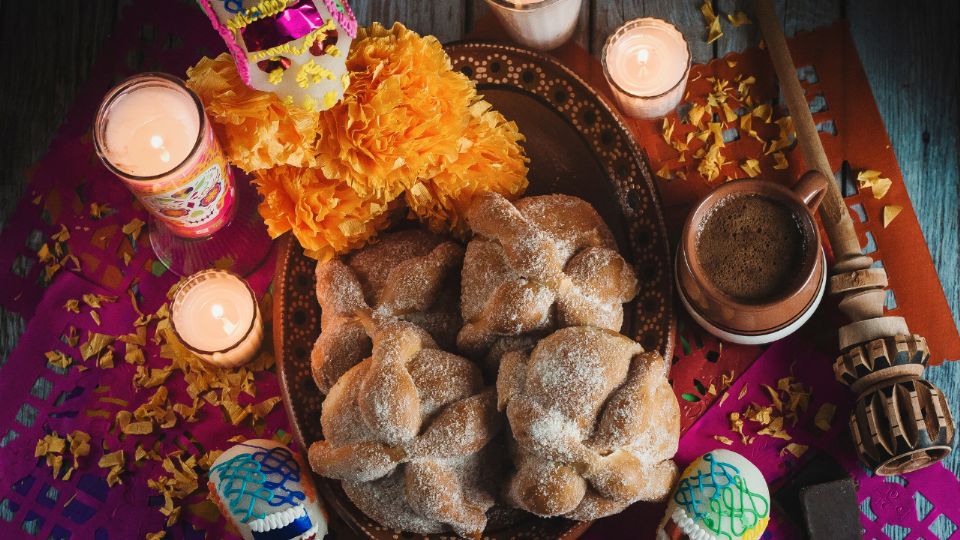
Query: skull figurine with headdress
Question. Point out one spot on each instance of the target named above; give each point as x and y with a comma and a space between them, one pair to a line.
263, 488
294, 48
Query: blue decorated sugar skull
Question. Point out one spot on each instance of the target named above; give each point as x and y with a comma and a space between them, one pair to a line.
296, 49
265, 490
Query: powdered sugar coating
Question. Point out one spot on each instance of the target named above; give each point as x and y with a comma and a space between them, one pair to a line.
595, 423
408, 431
409, 275
538, 264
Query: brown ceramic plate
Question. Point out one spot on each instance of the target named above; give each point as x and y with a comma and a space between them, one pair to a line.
578, 146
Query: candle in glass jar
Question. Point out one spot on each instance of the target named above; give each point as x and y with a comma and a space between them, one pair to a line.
646, 61
538, 24
152, 132
215, 314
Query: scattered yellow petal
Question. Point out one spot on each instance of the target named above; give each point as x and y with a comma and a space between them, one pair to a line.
824, 417
133, 228
59, 359
664, 172
781, 161
738, 18
794, 448
889, 213
751, 167
877, 184
713, 22
96, 343
114, 461
667, 130
72, 305
723, 397
743, 392
724, 440
98, 210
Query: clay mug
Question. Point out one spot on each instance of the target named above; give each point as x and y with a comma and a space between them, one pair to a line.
739, 321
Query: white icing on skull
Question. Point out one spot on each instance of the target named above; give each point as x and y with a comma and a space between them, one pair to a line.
294, 48
264, 489
720, 495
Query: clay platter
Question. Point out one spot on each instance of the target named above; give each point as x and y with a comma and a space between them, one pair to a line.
577, 145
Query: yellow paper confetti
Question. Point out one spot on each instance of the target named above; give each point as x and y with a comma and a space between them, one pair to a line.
98, 210
877, 184
794, 448
780, 161
664, 172
96, 343
889, 213
824, 416
59, 359
751, 167
667, 130
713, 22
115, 461
133, 228
738, 18
723, 440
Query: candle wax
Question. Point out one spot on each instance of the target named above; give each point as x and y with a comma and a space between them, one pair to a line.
215, 314
647, 61
151, 130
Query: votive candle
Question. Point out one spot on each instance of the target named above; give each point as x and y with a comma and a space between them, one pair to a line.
152, 132
215, 315
539, 24
646, 61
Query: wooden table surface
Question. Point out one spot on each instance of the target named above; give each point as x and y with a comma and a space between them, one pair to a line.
909, 51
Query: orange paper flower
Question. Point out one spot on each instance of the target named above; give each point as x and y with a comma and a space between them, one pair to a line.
326, 216
490, 159
256, 129
408, 126
400, 119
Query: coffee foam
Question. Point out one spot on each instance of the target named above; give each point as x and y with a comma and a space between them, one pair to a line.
753, 247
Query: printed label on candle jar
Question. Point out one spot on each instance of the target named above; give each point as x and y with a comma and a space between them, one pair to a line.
197, 201
197, 207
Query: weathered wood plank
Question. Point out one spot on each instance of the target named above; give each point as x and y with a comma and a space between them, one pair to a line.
478, 9
43, 61
445, 19
915, 81
684, 14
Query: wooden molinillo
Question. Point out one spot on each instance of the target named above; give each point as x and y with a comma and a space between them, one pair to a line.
900, 422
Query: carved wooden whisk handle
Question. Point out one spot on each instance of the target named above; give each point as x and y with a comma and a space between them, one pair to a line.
900, 422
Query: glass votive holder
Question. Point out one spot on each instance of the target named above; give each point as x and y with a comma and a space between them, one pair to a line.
646, 62
152, 132
539, 24
215, 314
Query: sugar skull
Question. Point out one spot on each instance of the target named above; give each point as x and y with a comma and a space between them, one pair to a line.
294, 48
720, 495
264, 489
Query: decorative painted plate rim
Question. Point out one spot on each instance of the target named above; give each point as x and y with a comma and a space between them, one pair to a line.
632, 199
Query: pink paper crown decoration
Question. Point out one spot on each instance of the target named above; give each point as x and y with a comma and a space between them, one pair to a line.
294, 48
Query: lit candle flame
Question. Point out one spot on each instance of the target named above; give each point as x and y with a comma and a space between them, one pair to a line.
228, 326
643, 56
156, 141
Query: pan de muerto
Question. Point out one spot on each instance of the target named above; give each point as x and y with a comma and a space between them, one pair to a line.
408, 431
537, 264
410, 275
595, 421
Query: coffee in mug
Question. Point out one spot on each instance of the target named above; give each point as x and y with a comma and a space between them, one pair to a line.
752, 247
750, 268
